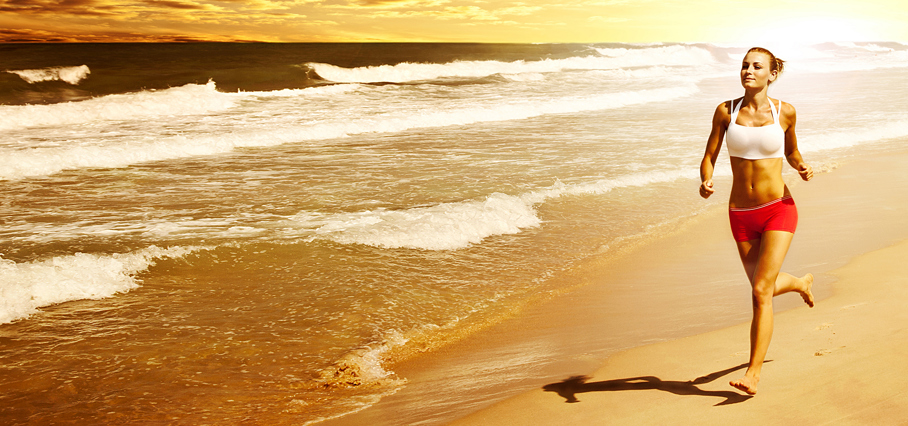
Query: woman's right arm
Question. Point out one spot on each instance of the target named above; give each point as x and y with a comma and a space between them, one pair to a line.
721, 118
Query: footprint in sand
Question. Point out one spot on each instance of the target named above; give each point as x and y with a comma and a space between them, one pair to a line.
822, 352
853, 306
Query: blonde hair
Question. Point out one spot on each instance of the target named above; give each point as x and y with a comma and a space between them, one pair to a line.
775, 64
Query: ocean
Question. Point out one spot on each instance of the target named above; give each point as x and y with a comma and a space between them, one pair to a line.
257, 233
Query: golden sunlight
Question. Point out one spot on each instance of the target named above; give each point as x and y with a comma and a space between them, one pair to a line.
816, 30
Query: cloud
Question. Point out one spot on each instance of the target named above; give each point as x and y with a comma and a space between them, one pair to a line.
30, 36
520, 10
382, 9
69, 7
20, 35
269, 4
180, 5
398, 4
127, 10
606, 20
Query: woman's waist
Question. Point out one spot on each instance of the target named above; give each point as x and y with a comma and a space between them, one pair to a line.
756, 196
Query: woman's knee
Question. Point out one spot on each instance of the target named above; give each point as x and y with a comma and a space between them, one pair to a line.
763, 290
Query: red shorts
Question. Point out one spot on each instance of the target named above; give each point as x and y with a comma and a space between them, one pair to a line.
749, 223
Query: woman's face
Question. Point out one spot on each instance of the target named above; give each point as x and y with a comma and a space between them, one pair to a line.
755, 70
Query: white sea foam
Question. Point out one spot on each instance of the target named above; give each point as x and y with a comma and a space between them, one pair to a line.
365, 365
327, 90
870, 47
214, 228
445, 226
877, 48
660, 55
441, 227
527, 76
25, 287
887, 128
184, 100
640, 73
71, 75
608, 59
859, 58
451, 226
17, 164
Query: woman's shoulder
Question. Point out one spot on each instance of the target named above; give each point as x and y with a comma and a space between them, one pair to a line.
726, 107
785, 108
722, 115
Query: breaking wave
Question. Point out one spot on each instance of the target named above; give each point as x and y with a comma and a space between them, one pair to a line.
451, 226
71, 75
606, 60
17, 164
25, 287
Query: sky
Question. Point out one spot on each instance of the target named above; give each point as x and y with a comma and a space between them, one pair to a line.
487, 21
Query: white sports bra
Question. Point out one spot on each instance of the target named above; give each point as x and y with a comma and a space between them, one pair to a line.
755, 143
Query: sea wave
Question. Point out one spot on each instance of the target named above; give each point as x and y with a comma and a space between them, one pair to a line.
25, 287
445, 226
857, 58
17, 164
71, 75
870, 47
451, 226
184, 100
887, 129
326, 90
606, 59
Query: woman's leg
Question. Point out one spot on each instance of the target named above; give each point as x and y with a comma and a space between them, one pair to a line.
762, 259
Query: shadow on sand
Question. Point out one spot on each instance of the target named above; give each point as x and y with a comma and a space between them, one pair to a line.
570, 387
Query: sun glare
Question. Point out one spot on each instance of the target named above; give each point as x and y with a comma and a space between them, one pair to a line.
805, 31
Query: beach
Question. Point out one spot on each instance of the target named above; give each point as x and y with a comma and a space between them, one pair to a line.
396, 233
839, 362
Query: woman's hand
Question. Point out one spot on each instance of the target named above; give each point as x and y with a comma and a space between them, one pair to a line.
805, 171
706, 188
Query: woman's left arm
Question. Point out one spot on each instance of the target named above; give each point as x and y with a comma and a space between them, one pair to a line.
790, 117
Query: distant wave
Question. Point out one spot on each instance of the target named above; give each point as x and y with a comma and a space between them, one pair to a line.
845, 56
607, 59
866, 62
190, 99
185, 100
71, 75
25, 287
327, 90
888, 128
870, 47
451, 226
16, 164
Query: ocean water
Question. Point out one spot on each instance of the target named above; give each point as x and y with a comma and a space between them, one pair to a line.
257, 234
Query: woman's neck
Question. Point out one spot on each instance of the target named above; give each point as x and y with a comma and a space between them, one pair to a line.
756, 98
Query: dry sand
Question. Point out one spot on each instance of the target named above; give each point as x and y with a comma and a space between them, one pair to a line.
559, 362
842, 362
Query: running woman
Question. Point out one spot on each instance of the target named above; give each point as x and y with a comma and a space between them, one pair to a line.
760, 133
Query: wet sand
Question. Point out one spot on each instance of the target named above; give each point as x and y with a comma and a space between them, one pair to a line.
567, 360
839, 363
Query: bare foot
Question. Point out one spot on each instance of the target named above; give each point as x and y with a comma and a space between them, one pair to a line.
806, 294
747, 384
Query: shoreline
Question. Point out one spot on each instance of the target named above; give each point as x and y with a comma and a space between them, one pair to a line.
840, 362
629, 301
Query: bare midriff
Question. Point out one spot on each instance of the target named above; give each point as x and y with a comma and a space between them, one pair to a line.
756, 182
